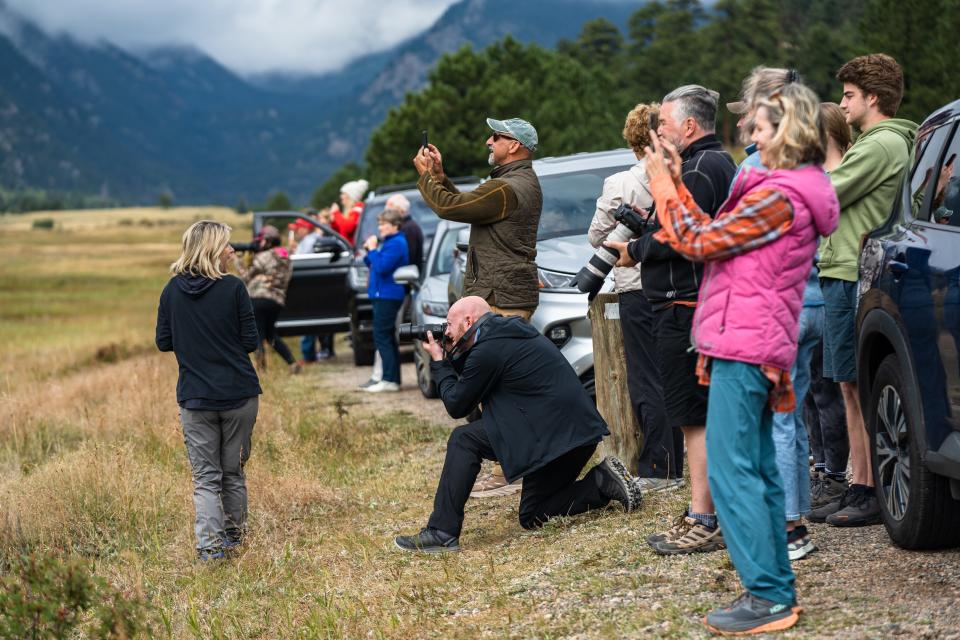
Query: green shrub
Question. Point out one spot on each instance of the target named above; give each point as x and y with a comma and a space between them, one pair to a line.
43, 223
43, 597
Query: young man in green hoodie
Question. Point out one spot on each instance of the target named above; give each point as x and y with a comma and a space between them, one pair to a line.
866, 182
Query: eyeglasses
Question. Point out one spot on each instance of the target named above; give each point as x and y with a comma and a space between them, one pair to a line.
497, 135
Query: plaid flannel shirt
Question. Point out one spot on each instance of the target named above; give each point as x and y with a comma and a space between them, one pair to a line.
760, 217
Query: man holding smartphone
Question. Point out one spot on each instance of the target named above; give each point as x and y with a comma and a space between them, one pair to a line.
504, 213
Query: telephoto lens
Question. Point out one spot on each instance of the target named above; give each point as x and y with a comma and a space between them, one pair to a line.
410, 332
244, 247
591, 276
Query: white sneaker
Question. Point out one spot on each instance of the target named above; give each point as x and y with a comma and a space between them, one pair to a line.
382, 386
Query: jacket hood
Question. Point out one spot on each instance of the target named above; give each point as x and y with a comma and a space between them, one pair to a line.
506, 327
906, 129
194, 286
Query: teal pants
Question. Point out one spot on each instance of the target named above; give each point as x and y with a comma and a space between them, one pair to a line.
744, 481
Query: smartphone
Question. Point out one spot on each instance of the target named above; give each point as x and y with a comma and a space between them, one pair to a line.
654, 121
424, 143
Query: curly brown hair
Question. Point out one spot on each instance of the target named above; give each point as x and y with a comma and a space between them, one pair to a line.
876, 74
636, 130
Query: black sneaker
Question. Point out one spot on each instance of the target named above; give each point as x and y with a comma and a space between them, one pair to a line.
820, 514
824, 490
617, 484
428, 541
749, 614
860, 509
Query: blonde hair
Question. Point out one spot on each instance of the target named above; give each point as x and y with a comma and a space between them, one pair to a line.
203, 243
761, 82
795, 112
636, 130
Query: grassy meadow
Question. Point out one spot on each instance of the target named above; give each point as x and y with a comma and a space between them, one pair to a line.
92, 466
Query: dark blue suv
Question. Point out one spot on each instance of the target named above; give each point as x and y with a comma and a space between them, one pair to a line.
909, 344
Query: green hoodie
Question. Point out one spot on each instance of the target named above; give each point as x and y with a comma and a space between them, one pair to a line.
866, 182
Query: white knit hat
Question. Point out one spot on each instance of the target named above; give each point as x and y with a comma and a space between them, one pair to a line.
356, 189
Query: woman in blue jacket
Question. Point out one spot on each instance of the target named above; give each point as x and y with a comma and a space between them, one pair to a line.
387, 296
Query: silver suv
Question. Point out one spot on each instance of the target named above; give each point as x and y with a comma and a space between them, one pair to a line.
571, 185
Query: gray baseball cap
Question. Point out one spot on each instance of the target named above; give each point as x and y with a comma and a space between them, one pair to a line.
522, 130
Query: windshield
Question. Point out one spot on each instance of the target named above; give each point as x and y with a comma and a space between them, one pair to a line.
423, 214
570, 200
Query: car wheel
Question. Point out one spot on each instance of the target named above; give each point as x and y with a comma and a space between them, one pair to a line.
427, 386
362, 357
915, 504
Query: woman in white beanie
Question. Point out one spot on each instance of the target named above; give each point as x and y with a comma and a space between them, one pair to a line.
351, 197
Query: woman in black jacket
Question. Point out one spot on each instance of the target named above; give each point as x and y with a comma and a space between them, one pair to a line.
206, 318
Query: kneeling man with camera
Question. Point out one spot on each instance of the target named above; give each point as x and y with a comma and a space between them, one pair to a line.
537, 421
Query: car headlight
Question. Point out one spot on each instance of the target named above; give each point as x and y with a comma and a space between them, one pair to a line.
358, 277
435, 308
559, 334
556, 280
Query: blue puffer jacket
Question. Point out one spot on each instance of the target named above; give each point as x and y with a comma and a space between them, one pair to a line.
383, 261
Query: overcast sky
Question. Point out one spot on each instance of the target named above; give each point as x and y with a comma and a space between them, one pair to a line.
246, 35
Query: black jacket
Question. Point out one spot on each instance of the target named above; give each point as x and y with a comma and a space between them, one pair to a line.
667, 276
414, 235
534, 407
209, 325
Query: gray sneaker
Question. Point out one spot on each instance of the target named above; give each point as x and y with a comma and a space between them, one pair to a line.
652, 485
860, 509
749, 614
824, 490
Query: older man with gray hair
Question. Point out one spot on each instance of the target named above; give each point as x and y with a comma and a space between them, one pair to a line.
671, 284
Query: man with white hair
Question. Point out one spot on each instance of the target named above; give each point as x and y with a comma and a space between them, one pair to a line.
351, 197
537, 421
409, 227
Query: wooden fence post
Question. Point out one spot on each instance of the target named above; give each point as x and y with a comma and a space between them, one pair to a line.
610, 372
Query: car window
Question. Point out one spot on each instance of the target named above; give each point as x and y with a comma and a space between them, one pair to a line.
443, 261
423, 214
922, 178
570, 200
945, 198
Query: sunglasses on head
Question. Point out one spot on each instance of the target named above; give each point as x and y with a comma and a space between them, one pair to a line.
497, 135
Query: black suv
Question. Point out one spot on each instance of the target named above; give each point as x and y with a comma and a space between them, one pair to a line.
317, 296
909, 344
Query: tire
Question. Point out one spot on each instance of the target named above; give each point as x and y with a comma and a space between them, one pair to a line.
362, 356
915, 505
427, 386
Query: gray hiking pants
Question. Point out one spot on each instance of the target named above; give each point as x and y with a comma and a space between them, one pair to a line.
218, 445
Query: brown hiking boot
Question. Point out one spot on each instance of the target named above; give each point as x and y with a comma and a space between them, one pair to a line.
678, 528
697, 539
494, 484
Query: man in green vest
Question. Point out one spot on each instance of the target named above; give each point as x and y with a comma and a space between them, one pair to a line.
504, 213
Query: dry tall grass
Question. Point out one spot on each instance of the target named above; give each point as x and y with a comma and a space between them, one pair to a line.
92, 464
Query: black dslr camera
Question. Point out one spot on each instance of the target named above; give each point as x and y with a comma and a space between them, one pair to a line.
410, 332
246, 247
631, 223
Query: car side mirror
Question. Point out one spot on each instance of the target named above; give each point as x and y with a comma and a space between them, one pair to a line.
463, 240
328, 244
409, 274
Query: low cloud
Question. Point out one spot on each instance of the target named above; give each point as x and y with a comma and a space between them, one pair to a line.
249, 36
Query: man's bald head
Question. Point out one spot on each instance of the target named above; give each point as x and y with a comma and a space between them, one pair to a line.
463, 314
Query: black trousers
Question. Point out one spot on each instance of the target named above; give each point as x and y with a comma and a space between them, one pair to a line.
265, 312
552, 490
826, 418
658, 456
